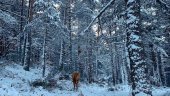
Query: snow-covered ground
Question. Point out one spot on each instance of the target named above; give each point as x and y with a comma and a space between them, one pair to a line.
14, 81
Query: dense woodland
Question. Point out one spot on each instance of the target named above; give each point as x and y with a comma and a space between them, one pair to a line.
108, 41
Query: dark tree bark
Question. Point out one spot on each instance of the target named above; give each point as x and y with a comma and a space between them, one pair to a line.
29, 38
21, 31
44, 53
136, 50
90, 63
68, 19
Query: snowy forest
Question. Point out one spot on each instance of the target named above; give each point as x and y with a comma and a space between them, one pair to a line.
116, 47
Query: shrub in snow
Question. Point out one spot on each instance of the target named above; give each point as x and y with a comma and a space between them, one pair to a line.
38, 83
50, 84
102, 82
64, 77
111, 89
117, 88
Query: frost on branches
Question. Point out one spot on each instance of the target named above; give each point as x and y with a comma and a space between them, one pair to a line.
136, 50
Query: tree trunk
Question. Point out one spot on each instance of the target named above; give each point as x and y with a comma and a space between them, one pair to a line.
79, 61
97, 48
136, 50
21, 31
68, 23
112, 64
116, 59
124, 66
112, 58
44, 53
24, 49
29, 38
61, 55
90, 63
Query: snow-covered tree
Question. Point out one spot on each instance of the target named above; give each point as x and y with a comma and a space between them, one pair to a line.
136, 52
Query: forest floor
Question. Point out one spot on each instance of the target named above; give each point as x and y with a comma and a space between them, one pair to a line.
14, 81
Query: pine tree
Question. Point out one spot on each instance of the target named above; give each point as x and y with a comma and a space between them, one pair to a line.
29, 37
136, 51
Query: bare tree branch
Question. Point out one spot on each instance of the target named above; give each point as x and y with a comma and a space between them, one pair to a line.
14, 14
99, 14
163, 3
5, 3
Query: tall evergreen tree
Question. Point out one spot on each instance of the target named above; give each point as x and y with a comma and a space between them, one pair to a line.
135, 47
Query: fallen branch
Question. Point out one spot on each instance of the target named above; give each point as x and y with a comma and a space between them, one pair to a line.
5, 3
99, 14
14, 14
163, 3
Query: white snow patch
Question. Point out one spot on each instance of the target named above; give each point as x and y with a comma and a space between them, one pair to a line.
14, 81
131, 18
134, 37
133, 46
